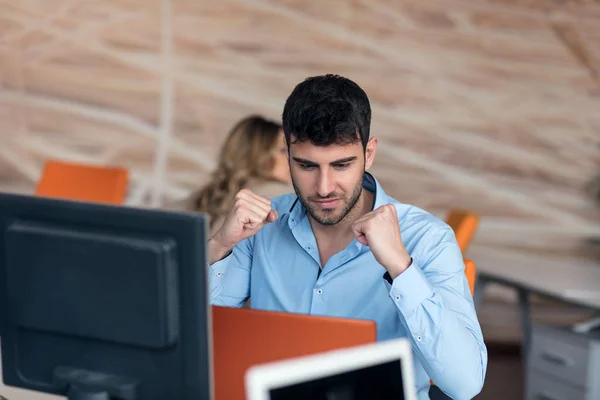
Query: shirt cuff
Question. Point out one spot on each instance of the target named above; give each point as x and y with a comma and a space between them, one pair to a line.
218, 268
410, 289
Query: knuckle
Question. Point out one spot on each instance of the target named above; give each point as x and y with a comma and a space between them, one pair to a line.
265, 199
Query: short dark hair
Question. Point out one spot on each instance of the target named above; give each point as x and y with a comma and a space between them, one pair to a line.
327, 109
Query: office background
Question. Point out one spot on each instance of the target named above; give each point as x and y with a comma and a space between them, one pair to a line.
490, 106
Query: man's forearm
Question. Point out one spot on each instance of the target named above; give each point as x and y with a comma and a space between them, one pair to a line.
455, 357
445, 329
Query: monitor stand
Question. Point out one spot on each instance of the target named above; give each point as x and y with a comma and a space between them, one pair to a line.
82, 384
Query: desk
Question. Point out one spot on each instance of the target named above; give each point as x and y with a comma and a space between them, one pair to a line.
575, 282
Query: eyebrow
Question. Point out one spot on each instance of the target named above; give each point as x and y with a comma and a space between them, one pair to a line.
340, 161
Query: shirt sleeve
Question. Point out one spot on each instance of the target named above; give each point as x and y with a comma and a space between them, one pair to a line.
229, 278
436, 308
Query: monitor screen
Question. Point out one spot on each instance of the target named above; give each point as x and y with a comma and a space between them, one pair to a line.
103, 299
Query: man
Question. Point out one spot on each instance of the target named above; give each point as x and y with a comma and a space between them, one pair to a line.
341, 247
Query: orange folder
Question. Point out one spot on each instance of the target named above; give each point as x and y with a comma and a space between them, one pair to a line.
245, 337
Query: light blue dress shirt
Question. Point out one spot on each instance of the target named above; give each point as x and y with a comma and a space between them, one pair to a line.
430, 303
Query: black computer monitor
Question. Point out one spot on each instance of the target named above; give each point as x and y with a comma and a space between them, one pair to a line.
104, 302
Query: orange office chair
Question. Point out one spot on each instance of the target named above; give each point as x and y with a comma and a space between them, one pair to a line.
470, 272
464, 224
83, 182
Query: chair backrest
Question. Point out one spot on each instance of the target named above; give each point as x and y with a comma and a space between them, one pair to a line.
464, 223
83, 182
470, 272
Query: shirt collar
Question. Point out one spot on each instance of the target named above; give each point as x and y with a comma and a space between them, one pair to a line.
297, 211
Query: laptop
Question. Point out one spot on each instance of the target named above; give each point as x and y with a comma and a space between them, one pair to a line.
245, 337
379, 371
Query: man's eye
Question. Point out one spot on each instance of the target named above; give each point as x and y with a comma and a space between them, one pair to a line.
341, 166
307, 166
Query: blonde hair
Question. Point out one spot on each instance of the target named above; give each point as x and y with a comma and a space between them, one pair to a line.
247, 154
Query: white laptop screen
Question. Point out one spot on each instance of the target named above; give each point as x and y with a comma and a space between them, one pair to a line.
381, 381
382, 370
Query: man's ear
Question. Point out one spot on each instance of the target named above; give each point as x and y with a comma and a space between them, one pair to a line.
370, 152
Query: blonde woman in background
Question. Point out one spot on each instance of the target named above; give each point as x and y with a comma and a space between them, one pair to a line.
254, 157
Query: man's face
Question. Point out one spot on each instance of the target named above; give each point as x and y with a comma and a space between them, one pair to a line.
328, 179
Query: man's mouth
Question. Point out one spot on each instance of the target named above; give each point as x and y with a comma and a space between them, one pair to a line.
328, 203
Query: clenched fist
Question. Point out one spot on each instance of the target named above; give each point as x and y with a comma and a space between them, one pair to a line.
249, 213
379, 229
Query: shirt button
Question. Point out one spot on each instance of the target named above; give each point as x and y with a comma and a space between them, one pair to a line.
397, 297
219, 273
419, 338
320, 291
